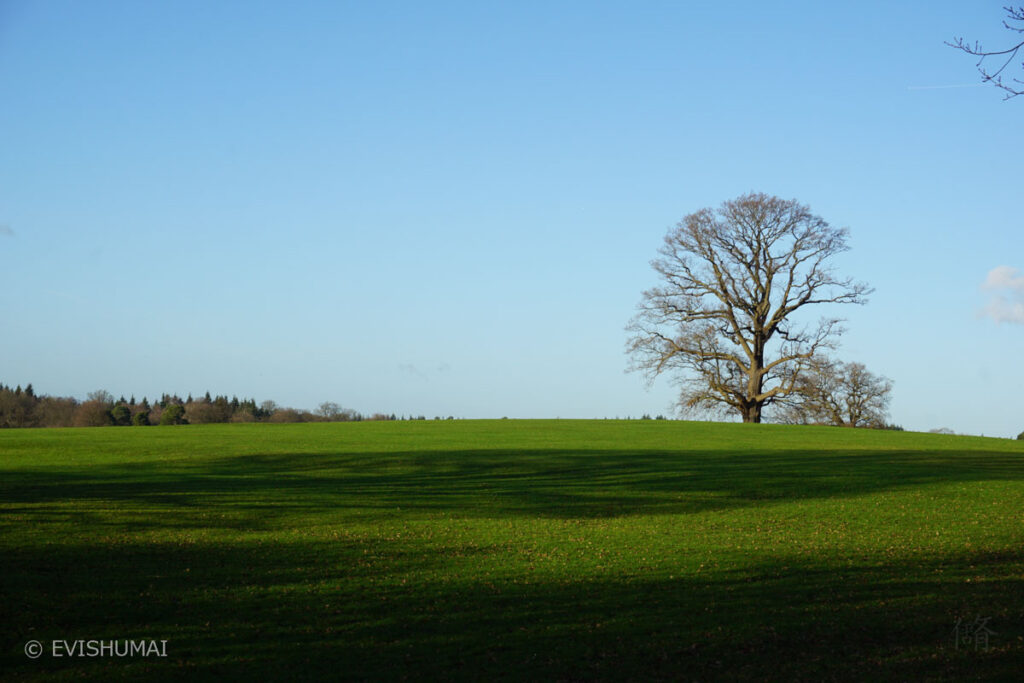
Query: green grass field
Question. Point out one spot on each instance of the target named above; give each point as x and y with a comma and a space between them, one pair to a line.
513, 550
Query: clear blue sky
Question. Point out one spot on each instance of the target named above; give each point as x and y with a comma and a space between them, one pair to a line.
449, 208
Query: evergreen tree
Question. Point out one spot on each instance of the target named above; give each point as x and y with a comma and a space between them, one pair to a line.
174, 414
121, 415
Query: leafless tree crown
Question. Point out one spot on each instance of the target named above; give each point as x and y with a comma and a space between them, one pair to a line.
1014, 22
722, 318
842, 394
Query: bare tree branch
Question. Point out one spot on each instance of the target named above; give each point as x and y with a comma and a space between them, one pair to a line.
1014, 14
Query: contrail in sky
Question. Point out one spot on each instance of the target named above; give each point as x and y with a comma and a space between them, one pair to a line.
944, 87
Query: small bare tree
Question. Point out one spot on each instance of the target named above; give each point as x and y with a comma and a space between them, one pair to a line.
842, 394
332, 412
723, 316
328, 410
1014, 22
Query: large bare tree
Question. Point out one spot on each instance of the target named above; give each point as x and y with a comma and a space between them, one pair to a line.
724, 317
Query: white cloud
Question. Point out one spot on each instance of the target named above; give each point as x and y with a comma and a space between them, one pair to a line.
1006, 304
411, 369
443, 368
1003, 310
1004, 277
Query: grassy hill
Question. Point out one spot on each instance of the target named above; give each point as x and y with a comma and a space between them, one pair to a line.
514, 550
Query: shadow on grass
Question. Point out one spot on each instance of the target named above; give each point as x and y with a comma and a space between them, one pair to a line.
312, 610
369, 607
249, 492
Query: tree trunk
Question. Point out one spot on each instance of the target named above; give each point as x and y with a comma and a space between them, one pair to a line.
755, 378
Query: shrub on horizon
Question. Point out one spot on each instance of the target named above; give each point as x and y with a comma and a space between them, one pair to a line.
174, 414
121, 415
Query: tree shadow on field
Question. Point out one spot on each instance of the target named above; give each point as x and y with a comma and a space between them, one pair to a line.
252, 491
318, 610
369, 605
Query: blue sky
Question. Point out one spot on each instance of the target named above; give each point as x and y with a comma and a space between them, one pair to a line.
450, 208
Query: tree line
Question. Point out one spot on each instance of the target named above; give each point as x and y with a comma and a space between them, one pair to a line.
23, 407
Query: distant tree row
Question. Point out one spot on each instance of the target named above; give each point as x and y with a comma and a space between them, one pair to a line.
22, 407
